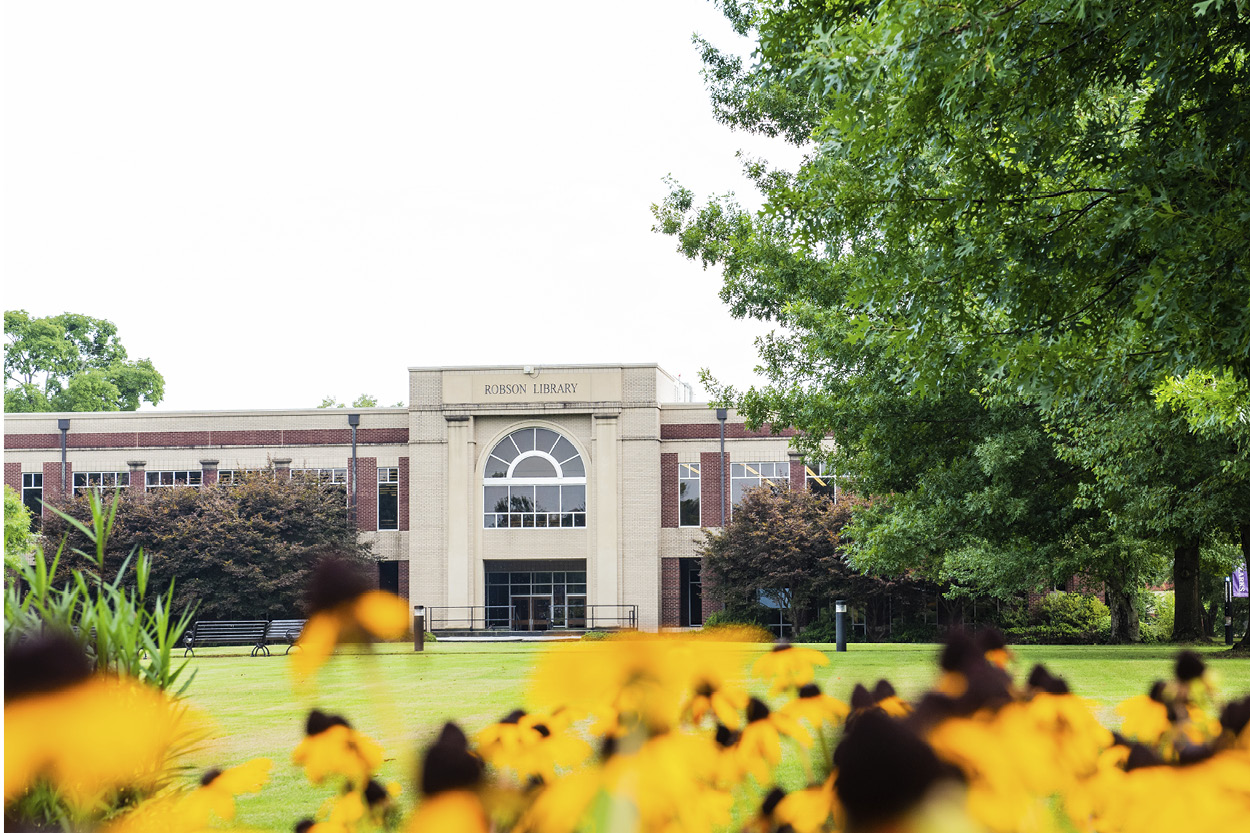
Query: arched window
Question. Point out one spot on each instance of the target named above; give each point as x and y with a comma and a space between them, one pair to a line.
534, 479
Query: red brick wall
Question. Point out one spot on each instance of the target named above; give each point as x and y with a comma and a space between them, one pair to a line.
366, 493
189, 439
208, 474
138, 478
668, 490
798, 474
670, 592
403, 508
711, 431
403, 583
709, 486
13, 476
52, 488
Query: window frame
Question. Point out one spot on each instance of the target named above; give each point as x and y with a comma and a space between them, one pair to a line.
389, 471
194, 479
99, 486
559, 518
697, 479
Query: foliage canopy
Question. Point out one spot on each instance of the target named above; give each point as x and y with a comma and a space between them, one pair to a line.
238, 551
72, 362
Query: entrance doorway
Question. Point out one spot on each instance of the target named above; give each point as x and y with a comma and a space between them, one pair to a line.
531, 613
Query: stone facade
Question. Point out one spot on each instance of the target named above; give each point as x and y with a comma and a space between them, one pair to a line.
627, 424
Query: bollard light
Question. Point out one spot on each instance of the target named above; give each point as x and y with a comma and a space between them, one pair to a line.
418, 627
839, 608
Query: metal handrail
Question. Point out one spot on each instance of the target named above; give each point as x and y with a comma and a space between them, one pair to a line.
499, 617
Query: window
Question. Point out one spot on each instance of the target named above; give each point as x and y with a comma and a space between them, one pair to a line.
337, 477
170, 479
32, 496
820, 480
100, 480
534, 479
688, 494
232, 477
743, 476
388, 497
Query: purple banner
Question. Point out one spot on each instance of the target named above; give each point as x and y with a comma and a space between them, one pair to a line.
1241, 590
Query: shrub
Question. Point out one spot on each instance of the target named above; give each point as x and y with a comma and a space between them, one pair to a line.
1066, 619
1156, 625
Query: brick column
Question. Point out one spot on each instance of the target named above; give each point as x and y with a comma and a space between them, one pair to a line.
709, 487
282, 466
668, 492
367, 494
13, 476
798, 472
138, 475
403, 582
670, 592
208, 472
53, 490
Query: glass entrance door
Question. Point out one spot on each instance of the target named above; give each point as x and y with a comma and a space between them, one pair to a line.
531, 613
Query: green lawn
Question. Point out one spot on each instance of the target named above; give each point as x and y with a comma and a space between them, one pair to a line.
401, 698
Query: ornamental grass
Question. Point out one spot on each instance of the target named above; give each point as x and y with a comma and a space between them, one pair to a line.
651, 733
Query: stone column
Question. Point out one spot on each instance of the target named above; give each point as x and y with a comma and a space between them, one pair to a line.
459, 501
605, 556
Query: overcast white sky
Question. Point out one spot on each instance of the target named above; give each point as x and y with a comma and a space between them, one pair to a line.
276, 201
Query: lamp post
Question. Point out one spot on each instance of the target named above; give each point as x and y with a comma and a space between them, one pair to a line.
1228, 610
418, 627
722, 414
839, 608
354, 421
63, 426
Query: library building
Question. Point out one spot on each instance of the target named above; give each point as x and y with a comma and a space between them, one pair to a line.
514, 499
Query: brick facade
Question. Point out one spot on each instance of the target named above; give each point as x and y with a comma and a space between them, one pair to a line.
670, 592
709, 486
366, 493
53, 490
711, 431
13, 476
798, 473
208, 439
669, 510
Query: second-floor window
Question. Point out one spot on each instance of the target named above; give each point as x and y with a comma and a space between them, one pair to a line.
534, 479
688, 485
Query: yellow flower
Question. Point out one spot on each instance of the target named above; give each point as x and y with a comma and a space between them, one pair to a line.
789, 666
343, 607
1147, 718
332, 747
452, 811
88, 734
219, 787
725, 702
816, 707
450, 777
532, 745
759, 747
882, 697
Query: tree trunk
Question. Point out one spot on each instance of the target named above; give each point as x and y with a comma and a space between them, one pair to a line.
1187, 626
1244, 644
1125, 624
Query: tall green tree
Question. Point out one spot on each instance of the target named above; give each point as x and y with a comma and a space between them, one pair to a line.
1002, 207
72, 362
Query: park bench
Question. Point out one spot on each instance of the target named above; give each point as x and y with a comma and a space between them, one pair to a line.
284, 630
227, 632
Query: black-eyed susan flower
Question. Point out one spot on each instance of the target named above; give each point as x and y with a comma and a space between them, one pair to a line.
883, 697
1147, 717
343, 607
788, 666
815, 707
759, 747
532, 746
883, 771
219, 787
87, 734
331, 747
450, 777
714, 697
